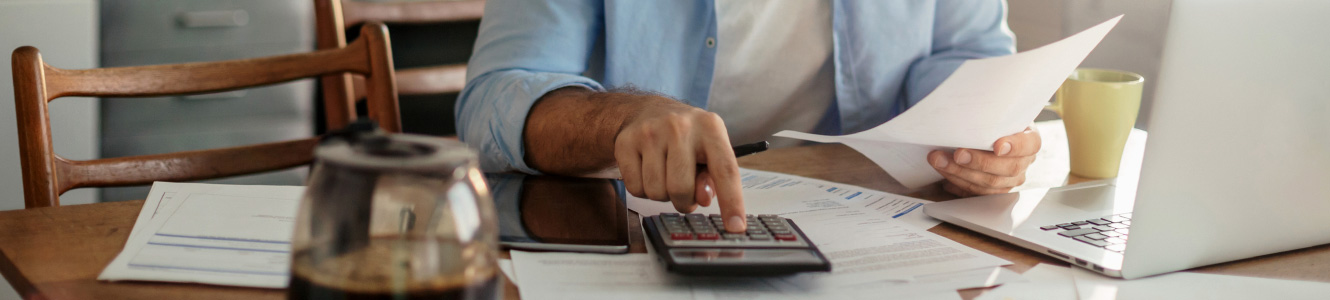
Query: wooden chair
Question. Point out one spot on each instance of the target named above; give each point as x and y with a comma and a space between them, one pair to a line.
47, 175
332, 17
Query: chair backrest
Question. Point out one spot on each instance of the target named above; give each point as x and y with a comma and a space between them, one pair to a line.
47, 175
341, 91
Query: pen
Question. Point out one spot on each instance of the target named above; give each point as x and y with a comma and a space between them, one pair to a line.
747, 149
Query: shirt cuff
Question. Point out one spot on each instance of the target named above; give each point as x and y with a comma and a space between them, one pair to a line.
511, 95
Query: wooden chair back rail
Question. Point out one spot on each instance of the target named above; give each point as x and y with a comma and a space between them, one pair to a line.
184, 166
47, 175
421, 81
356, 12
341, 91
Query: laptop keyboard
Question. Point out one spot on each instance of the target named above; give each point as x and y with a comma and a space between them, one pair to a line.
1108, 232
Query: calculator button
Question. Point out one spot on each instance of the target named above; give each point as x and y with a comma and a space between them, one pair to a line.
782, 232
785, 237
1049, 227
708, 236
732, 236
681, 236
670, 215
775, 228
756, 231
760, 237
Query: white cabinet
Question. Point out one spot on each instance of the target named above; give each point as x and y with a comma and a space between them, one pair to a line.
66, 33
151, 32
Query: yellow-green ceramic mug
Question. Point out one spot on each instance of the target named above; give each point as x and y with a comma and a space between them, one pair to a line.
1098, 108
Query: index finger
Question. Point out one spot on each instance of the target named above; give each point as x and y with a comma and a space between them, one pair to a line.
1024, 143
724, 170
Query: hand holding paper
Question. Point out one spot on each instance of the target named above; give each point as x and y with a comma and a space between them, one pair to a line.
983, 100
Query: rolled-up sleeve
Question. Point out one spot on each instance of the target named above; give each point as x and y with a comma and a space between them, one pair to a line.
961, 30
525, 48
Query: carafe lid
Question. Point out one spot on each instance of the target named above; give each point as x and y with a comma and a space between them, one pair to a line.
361, 145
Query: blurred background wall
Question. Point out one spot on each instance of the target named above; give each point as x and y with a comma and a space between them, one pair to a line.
1135, 45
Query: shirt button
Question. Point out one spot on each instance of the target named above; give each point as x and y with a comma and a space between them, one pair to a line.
711, 42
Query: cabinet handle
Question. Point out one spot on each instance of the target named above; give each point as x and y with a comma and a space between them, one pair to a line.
214, 18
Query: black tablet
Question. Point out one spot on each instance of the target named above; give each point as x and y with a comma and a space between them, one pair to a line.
554, 213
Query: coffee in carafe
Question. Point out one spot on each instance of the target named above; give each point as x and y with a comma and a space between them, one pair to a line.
394, 217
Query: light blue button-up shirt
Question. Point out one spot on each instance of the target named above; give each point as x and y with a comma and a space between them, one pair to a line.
888, 55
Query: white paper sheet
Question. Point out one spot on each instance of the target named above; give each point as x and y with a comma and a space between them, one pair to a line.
1043, 282
1187, 285
208, 233
983, 100
766, 193
506, 265
640, 276
552, 275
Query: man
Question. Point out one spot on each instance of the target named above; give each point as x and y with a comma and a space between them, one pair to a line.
618, 88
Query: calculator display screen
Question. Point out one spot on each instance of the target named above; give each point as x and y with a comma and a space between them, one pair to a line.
744, 256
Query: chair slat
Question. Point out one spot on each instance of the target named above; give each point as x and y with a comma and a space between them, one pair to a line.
187, 166
205, 77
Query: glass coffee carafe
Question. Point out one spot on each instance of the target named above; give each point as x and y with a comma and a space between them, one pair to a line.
394, 217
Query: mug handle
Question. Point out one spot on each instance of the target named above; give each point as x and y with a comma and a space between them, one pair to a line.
1056, 105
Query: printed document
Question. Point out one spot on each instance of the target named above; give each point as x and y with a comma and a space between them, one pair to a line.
549, 275
765, 193
983, 100
209, 233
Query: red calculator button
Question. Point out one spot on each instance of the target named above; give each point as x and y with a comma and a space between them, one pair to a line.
681, 236
708, 236
785, 237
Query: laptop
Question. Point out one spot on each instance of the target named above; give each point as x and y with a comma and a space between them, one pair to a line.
1237, 163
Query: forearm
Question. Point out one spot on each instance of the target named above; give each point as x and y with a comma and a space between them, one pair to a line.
571, 131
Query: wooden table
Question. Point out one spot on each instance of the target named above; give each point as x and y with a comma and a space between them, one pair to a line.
57, 252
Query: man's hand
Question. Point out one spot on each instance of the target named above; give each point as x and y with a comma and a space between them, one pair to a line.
658, 152
972, 172
656, 144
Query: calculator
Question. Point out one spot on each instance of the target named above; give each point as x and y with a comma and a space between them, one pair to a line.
696, 244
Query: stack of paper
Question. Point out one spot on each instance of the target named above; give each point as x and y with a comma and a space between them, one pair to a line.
877, 242
640, 276
210, 233
983, 100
